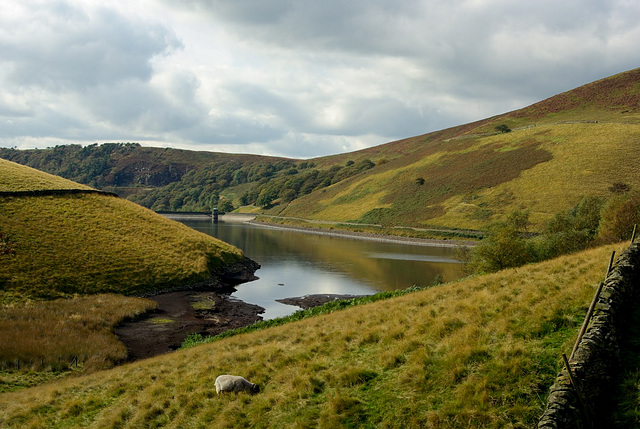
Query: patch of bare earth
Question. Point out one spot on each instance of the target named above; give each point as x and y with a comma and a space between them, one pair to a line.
180, 314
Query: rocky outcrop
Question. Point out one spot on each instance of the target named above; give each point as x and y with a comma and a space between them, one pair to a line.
240, 272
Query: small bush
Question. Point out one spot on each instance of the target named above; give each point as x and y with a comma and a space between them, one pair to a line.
503, 247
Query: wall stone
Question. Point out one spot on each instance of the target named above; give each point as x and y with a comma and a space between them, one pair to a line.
597, 358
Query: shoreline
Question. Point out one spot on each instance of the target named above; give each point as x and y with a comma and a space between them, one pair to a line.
432, 242
208, 310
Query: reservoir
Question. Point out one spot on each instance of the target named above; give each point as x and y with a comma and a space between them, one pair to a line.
295, 264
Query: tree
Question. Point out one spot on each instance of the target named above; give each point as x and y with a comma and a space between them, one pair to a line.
225, 206
266, 197
618, 217
288, 195
503, 246
503, 128
572, 230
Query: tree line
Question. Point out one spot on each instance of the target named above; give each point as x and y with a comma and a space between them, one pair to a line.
593, 221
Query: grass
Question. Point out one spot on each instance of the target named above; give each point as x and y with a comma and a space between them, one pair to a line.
96, 244
480, 352
481, 179
40, 339
15, 177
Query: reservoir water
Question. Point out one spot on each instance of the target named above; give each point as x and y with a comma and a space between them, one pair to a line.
295, 264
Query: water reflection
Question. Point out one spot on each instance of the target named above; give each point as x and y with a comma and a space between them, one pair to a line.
298, 264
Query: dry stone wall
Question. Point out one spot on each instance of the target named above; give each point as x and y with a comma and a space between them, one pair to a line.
596, 360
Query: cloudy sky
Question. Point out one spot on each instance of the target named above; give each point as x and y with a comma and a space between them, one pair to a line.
296, 78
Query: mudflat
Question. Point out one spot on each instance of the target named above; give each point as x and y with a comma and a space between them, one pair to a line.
180, 314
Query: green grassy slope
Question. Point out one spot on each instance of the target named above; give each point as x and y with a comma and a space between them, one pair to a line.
481, 352
91, 243
577, 143
16, 178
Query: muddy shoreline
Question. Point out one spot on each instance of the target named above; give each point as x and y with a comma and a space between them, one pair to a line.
179, 314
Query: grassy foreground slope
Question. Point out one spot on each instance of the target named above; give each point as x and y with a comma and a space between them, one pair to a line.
60, 245
574, 144
481, 352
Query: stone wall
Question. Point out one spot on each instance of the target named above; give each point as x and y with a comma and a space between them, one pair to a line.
596, 360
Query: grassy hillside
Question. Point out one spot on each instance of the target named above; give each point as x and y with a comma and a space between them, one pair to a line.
481, 352
60, 245
559, 150
15, 178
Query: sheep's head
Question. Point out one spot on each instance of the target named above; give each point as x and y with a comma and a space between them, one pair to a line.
255, 389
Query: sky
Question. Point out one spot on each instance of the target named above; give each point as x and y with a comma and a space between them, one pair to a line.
294, 78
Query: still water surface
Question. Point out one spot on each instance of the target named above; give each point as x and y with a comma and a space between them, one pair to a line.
296, 264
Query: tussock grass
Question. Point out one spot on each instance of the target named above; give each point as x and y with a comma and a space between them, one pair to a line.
481, 352
48, 335
95, 244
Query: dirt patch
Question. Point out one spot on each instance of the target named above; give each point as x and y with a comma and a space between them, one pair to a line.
310, 301
182, 313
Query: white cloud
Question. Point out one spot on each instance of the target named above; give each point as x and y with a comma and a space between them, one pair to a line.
295, 78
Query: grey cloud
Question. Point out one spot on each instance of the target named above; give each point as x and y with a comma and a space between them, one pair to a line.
463, 42
65, 47
296, 77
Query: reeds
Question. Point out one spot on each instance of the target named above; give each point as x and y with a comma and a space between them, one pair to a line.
54, 335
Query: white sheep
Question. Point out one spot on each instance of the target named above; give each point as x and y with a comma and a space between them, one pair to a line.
234, 383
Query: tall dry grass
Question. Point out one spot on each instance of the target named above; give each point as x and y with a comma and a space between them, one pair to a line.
481, 352
48, 335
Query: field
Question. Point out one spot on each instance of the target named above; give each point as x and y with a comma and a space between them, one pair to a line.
90, 249
95, 244
472, 181
481, 352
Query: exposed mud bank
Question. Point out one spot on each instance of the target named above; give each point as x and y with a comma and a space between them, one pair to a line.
182, 313
310, 301
205, 307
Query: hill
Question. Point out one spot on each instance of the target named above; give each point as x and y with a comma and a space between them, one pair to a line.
481, 352
74, 241
578, 143
581, 142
